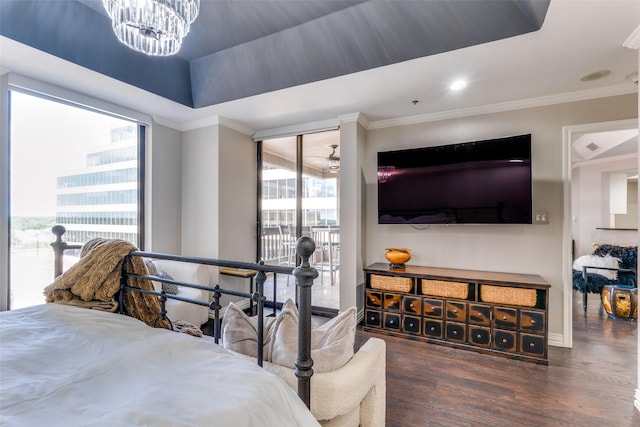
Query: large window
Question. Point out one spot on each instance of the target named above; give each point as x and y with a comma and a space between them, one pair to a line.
71, 166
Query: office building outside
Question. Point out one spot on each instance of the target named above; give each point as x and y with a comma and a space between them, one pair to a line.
101, 200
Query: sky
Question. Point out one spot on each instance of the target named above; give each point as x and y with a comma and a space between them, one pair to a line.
49, 139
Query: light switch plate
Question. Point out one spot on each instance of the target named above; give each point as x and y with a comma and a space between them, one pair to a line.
541, 217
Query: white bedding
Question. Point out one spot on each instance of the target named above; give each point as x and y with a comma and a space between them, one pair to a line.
69, 366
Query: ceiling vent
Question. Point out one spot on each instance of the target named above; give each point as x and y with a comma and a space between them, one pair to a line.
593, 147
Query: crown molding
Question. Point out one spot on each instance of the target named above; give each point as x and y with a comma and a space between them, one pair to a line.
167, 123
299, 129
232, 124
633, 41
355, 117
615, 90
581, 163
216, 121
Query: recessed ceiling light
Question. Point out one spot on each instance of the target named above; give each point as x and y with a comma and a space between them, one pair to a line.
458, 85
595, 75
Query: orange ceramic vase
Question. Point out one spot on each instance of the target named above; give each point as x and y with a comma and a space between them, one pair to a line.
397, 257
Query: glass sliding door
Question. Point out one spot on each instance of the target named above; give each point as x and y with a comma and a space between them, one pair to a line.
70, 166
300, 183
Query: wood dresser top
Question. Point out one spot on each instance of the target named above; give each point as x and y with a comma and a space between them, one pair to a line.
454, 273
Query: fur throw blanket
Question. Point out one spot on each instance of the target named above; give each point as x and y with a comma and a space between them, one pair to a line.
94, 282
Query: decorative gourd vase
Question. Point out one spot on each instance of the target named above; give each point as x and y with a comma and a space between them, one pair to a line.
397, 257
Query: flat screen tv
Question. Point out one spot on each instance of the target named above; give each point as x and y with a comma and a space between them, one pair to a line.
481, 182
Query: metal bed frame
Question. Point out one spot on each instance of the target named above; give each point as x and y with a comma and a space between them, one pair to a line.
304, 275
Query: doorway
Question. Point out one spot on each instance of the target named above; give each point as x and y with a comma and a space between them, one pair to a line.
300, 181
593, 152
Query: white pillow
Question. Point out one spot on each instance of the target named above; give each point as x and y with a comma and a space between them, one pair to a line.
331, 344
598, 261
240, 332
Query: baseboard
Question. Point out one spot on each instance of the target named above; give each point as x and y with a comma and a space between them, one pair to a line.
556, 340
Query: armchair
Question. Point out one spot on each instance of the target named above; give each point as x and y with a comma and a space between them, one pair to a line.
609, 265
185, 272
352, 395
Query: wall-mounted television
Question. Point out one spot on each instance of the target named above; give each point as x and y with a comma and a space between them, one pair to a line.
481, 182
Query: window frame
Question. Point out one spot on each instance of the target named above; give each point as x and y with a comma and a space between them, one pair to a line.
12, 82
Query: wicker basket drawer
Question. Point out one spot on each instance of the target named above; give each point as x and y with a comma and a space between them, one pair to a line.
390, 283
445, 289
508, 295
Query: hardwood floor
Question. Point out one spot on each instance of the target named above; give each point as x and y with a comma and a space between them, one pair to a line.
592, 384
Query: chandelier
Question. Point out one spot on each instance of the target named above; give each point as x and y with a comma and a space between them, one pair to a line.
153, 27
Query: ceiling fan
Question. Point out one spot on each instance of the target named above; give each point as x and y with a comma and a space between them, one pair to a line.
334, 160
332, 156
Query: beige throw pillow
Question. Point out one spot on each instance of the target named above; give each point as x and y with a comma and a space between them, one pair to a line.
331, 344
240, 332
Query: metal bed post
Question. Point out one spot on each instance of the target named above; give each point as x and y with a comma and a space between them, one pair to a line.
305, 275
59, 246
215, 306
260, 279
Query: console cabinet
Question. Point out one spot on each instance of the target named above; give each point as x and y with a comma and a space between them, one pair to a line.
490, 312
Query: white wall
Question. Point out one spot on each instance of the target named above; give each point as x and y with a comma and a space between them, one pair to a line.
535, 249
200, 192
218, 198
164, 188
590, 204
352, 192
237, 196
630, 218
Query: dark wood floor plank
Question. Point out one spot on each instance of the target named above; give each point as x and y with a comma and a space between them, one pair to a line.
592, 384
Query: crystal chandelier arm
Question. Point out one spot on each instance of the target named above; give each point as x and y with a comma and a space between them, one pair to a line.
153, 27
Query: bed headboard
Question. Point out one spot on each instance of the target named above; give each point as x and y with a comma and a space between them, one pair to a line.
304, 276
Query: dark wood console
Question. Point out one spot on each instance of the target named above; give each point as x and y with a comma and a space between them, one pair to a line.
489, 312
